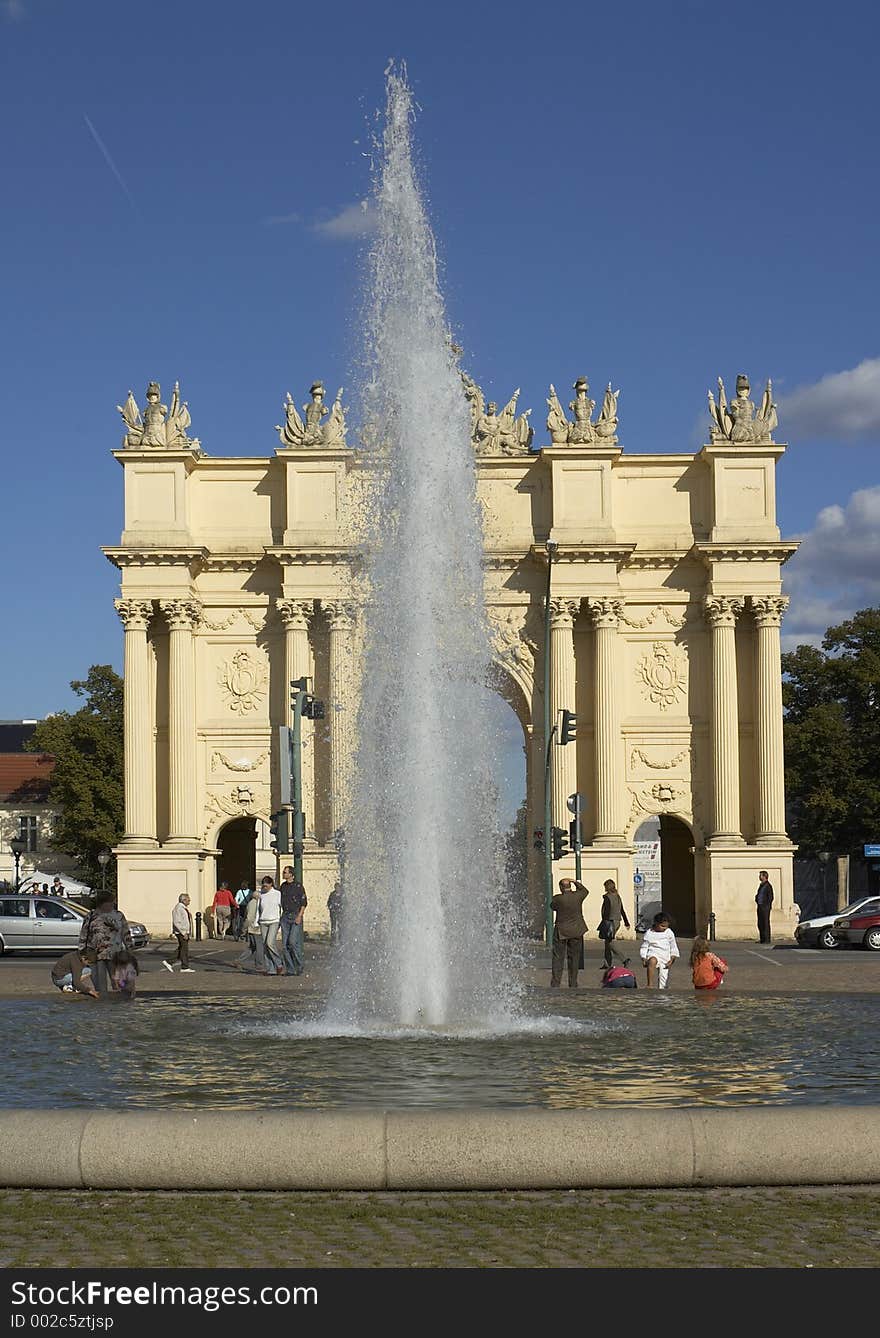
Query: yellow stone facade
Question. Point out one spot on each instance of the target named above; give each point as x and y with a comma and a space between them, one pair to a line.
237, 576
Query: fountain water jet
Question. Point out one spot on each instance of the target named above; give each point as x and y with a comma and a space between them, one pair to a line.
425, 904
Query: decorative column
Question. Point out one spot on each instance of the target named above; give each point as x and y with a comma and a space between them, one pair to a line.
770, 806
721, 614
182, 616
563, 761
606, 614
140, 806
296, 616
341, 619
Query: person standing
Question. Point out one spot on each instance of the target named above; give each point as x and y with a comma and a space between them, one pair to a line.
242, 897
568, 931
253, 953
293, 905
612, 914
268, 918
764, 901
224, 904
334, 908
658, 951
104, 932
182, 927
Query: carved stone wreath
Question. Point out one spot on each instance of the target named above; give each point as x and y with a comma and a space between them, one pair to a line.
663, 670
243, 681
238, 801
243, 764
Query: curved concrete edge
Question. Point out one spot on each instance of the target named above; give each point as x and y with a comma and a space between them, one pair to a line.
528, 1148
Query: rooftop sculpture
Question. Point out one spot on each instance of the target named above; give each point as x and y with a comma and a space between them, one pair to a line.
494, 433
160, 425
563, 432
740, 421
313, 431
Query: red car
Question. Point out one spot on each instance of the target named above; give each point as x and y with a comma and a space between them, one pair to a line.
863, 929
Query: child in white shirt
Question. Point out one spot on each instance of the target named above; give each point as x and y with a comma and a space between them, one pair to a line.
658, 951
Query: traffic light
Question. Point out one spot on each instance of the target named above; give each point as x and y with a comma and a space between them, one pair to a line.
313, 709
280, 838
569, 727
574, 835
560, 842
538, 838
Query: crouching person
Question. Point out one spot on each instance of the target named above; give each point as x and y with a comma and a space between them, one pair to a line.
72, 974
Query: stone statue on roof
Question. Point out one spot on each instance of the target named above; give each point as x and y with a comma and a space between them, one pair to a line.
312, 431
740, 420
494, 433
161, 426
583, 431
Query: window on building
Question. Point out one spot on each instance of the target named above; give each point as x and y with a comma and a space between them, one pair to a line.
27, 831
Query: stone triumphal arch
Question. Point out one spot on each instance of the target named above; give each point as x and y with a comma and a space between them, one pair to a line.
237, 576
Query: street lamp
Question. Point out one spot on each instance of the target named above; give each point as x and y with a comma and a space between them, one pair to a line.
552, 553
18, 847
103, 860
824, 857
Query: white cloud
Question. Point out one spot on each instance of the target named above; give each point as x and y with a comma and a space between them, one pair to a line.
13, 11
836, 570
355, 220
842, 405
283, 218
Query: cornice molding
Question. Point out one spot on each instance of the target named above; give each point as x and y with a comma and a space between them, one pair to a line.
193, 559
729, 552
570, 553
232, 561
312, 557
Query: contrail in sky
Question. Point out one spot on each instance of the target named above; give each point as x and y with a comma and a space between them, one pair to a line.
110, 163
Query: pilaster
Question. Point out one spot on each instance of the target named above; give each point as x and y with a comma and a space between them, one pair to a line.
721, 614
770, 807
563, 765
605, 613
139, 767
182, 616
341, 619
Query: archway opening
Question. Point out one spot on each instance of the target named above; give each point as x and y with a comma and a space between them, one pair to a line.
664, 864
237, 843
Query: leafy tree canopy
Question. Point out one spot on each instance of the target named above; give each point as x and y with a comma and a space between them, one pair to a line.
832, 738
87, 781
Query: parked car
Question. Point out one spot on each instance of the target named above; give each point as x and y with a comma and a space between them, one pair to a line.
863, 928
38, 924
820, 932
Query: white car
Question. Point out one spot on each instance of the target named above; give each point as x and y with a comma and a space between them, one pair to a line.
819, 932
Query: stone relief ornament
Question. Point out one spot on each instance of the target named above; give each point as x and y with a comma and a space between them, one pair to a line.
222, 624
510, 640
583, 430
219, 759
237, 801
662, 797
768, 610
161, 425
674, 619
740, 421
243, 681
494, 433
638, 756
313, 431
663, 671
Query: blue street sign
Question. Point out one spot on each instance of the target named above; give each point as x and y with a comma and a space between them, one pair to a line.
638, 879
872, 852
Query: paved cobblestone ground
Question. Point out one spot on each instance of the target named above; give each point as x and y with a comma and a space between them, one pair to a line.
731, 1228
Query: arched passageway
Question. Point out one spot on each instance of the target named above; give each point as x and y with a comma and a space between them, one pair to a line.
236, 862
664, 873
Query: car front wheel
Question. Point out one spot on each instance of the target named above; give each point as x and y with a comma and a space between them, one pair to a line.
872, 939
828, 939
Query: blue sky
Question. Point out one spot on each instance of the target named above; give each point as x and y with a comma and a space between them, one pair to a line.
648, 194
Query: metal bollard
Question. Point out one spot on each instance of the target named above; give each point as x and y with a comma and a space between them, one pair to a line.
711, 926
198, 926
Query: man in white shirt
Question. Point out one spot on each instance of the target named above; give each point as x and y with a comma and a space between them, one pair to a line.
268, 917
658, 951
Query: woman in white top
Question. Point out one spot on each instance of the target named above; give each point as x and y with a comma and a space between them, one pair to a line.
658, 951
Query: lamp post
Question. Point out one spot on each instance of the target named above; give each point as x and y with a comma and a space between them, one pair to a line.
103, 860
18, 847
824, 857
548, 745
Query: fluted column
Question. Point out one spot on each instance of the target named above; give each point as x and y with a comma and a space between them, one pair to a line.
340, 618
770, 806
296, 616
563, 763
721, 615
182, 616
140, 803
605, 614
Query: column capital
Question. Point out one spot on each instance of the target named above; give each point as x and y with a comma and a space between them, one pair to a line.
563, 613
341, 614
768, 610
604, 610
181, 614
295, 614
134, 614
722, 610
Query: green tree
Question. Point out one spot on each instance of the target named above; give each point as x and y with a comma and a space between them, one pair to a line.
87, 781
832, 738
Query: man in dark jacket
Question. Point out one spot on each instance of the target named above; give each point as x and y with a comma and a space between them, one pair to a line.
569, 930
293, 904
763, 901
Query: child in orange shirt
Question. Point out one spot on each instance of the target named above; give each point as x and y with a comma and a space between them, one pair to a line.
707, 968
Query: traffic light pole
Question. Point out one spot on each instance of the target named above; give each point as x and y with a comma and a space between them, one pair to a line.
299, 828
548, 740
